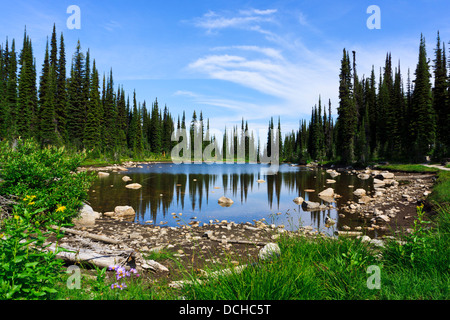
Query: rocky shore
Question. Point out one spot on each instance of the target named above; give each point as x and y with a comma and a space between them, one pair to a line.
390, 205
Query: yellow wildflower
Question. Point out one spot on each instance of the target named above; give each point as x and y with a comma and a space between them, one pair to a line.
61, 209
31, 203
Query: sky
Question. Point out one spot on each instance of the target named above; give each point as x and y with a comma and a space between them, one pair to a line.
233, 59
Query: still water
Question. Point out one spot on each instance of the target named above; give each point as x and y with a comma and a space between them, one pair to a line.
194, 190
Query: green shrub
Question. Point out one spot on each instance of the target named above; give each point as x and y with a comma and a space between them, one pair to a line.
47, 176
27, 271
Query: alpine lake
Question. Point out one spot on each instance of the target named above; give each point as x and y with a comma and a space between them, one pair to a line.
257, 193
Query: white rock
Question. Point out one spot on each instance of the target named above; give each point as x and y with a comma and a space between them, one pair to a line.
363, 176
124, 211
126, 178
133, 186
385, 175
269, 251
225, 201
86, 217
298, 200
327, 193
103, 174
310, 205
359, 192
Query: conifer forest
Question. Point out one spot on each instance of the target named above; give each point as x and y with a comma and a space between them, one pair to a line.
67, 101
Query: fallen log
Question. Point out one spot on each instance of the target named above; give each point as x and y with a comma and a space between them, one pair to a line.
154, 266
91, 257
88, 235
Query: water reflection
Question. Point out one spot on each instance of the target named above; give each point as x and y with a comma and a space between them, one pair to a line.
194, 190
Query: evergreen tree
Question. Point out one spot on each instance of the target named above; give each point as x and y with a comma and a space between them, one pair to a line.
11, 92
47, 123
347, 117
155, 129
76, 112
92, 132
122, 120
27, 92
61, 98
109, 114
441, 101
423, 122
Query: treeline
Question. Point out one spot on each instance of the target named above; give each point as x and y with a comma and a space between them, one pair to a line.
79, 110
379, 117
384, 119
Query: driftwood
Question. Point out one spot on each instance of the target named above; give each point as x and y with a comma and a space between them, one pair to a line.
102, 257
89, 235
212, 238
91, 257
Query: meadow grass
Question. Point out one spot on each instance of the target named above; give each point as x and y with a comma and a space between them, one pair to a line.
418, 168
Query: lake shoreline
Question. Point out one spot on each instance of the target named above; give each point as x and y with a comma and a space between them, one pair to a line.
392, 211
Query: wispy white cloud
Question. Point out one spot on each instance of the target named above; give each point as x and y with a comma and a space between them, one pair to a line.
111, 25
281, 67
244, 19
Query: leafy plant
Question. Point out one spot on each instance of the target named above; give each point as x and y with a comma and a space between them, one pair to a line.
27, 270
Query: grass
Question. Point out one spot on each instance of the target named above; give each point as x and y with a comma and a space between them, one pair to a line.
327, 269
441, 190
407, 168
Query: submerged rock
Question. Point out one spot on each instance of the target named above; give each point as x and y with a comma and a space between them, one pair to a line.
133, 186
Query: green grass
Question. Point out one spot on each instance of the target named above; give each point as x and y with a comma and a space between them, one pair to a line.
324, 269
407, 168
441, 190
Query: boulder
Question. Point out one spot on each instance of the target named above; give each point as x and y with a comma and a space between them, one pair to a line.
333, 173
310, 205
364, 200
124, 212
359, 192
260, 181
327, 193
363, 176
126, 178
298, 200
86, 216
269, 251
383, 218
133, 186
225, 202
378, 182
103, 174
385, 175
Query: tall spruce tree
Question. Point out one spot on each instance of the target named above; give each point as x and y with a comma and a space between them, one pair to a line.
76, 108
61, 98
27, 91
441, 101
423, 121
11, 92
347, 116
92, 132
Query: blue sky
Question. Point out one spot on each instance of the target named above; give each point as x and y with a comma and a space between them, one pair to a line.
233, 59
